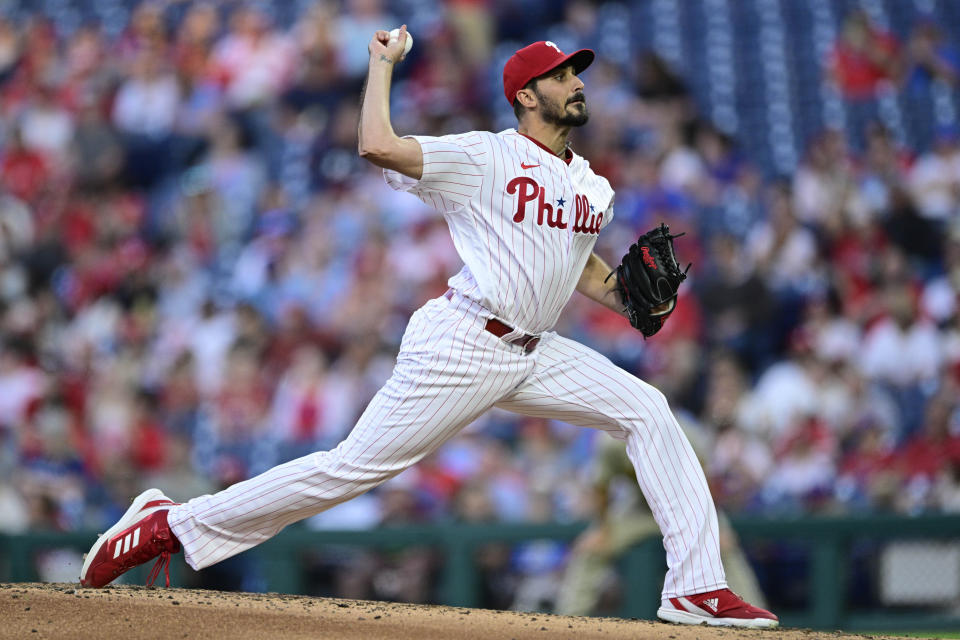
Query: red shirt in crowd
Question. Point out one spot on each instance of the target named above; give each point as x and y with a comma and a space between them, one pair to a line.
858, 73
24, 173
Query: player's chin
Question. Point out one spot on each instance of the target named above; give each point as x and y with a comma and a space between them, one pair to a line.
577, 114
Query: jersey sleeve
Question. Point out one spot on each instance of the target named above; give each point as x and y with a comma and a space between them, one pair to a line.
598, 189
453, 169
607, 215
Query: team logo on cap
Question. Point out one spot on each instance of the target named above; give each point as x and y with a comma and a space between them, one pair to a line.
552, 44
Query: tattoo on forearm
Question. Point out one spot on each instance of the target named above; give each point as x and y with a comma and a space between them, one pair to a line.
384, 58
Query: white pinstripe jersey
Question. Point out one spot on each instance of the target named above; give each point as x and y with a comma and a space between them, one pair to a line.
523, 220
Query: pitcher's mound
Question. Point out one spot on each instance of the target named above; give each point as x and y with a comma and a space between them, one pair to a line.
135, 613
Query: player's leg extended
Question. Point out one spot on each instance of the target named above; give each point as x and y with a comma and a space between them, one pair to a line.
576, 384
448, 372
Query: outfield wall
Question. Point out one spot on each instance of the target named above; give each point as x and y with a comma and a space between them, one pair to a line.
854, 573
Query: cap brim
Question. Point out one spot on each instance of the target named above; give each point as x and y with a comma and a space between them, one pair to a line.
579, 59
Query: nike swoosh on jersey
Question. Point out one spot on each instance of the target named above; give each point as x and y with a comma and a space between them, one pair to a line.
523, 165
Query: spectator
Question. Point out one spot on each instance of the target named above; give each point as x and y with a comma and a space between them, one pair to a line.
146, 33
917, 236
804, 471
85, 70
25, 172
740, 461
148, 438
781, 249
357, 21
210, 340
784, 393
902, 348
97, 150
46, 126
22, 382
863, 57
657, 83
720, 157
310, 412
883, 167
473, 24
237, 177
10, 49
17, 234
645, 200
866, 477
931, 455
196, 37
680, 166
934, 180
146, 104
824, 188
232, 427
903, 352
930, 58
738, 302
255, 59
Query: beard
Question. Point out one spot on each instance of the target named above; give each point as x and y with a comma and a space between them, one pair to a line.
561, 116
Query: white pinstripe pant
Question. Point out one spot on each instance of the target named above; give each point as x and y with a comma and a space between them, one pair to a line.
449, 371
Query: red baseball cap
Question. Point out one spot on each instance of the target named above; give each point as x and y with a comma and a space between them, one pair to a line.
535, 60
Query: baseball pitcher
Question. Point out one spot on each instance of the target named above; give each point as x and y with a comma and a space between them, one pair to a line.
524, 212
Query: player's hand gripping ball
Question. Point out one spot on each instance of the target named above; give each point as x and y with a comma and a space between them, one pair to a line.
395, 36
648, 279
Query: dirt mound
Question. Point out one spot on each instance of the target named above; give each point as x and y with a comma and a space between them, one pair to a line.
135, 613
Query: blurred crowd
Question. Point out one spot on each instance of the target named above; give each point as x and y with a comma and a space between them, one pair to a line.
200, 279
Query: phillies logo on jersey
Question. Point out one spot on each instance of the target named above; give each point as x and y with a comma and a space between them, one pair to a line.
529, 190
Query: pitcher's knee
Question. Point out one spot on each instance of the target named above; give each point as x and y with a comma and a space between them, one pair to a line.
656, 398
649, 412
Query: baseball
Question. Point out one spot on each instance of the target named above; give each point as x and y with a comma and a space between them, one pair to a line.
395, 35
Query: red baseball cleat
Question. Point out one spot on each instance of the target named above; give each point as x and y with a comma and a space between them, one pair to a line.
141, 535
721, 608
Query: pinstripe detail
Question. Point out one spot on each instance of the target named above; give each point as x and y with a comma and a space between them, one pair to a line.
560, 380
580, 386
450, 370
523, 273
687, 485
277, 480
403, 423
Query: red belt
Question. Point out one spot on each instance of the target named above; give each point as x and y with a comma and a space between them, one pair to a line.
526, 342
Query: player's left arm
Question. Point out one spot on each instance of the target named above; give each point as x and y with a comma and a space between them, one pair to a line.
595, 282
595, 285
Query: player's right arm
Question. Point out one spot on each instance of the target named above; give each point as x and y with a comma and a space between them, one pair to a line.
377, 141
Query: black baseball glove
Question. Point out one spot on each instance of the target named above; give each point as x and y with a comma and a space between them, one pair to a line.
648, 278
